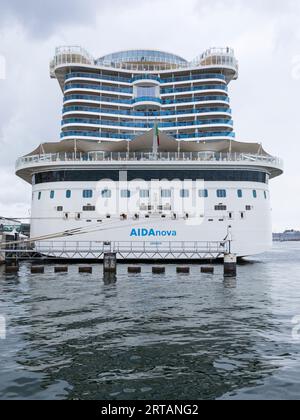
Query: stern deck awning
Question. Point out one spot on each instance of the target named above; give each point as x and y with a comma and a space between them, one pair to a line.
144, 143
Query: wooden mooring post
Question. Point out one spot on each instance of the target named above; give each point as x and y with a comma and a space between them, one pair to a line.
110, 262
230, 265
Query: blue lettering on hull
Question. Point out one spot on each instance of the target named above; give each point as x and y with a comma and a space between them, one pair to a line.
152, 233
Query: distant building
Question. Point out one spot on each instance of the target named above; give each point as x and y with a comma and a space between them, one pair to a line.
13, 226
288, 235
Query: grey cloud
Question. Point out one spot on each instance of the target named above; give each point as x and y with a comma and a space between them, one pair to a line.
41, 18
271, 7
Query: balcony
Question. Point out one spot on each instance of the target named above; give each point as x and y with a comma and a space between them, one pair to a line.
146, 114
70, 55
105, 135
204, 135
165, 91
131, 102
149, 125
98, 77
147, 99
143, 77
99, 88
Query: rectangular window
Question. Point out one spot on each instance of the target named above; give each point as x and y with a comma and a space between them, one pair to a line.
39, 195
148, 91
87, 194
248, 208
59, 208
221, 193
184, 193
106, 193
220, 207
144, 194
203, 193
240, 193
266, 195
254, 194
166, 193
52, 195
68, 194
88, 208
125, 194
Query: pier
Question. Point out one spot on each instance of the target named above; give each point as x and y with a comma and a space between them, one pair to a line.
111, 253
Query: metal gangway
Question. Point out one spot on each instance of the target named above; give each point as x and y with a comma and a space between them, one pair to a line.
146, 250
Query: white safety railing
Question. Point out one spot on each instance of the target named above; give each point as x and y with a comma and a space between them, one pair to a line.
166, 157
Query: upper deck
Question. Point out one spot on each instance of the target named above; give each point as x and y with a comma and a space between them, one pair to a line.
147, 64
29, 165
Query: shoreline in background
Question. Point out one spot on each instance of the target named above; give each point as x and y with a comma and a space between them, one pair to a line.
287, 236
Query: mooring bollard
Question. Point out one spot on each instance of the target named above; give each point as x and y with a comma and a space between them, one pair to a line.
183, 270
230, 265
207, 270
158, 270
61, 269
134, 270
110, 262
85, 270
35, 269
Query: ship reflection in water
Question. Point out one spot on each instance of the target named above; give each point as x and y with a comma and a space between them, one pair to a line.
141, 336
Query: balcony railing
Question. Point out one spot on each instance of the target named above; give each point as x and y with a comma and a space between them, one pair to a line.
146, 77
195, 88
95, 134
130, 90
142, 76
167, 157
219, 57
145, 114
146, 99
97, 87
140, 124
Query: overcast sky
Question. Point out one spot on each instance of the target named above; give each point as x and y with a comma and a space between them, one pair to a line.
265, 99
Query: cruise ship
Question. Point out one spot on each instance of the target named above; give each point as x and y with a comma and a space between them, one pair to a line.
148, 163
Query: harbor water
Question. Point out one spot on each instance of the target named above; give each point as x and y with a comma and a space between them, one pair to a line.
147, 337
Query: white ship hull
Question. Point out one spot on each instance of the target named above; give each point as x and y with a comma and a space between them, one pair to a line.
251, 231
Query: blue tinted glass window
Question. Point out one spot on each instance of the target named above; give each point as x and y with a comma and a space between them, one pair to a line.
106, 193
221, 193
240, 193
144, 194
125, 194
254, 193
166, 193
87, 194
52, 194
265, 194
68, 194
96, 175
39, 195
184, 193
203, 193
147, 91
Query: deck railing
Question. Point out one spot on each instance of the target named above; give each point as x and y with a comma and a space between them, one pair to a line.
123, 156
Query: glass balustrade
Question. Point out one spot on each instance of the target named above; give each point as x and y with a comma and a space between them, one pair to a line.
164, 91
132, 136
162, 80
145, 114
81, 121
146, 99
